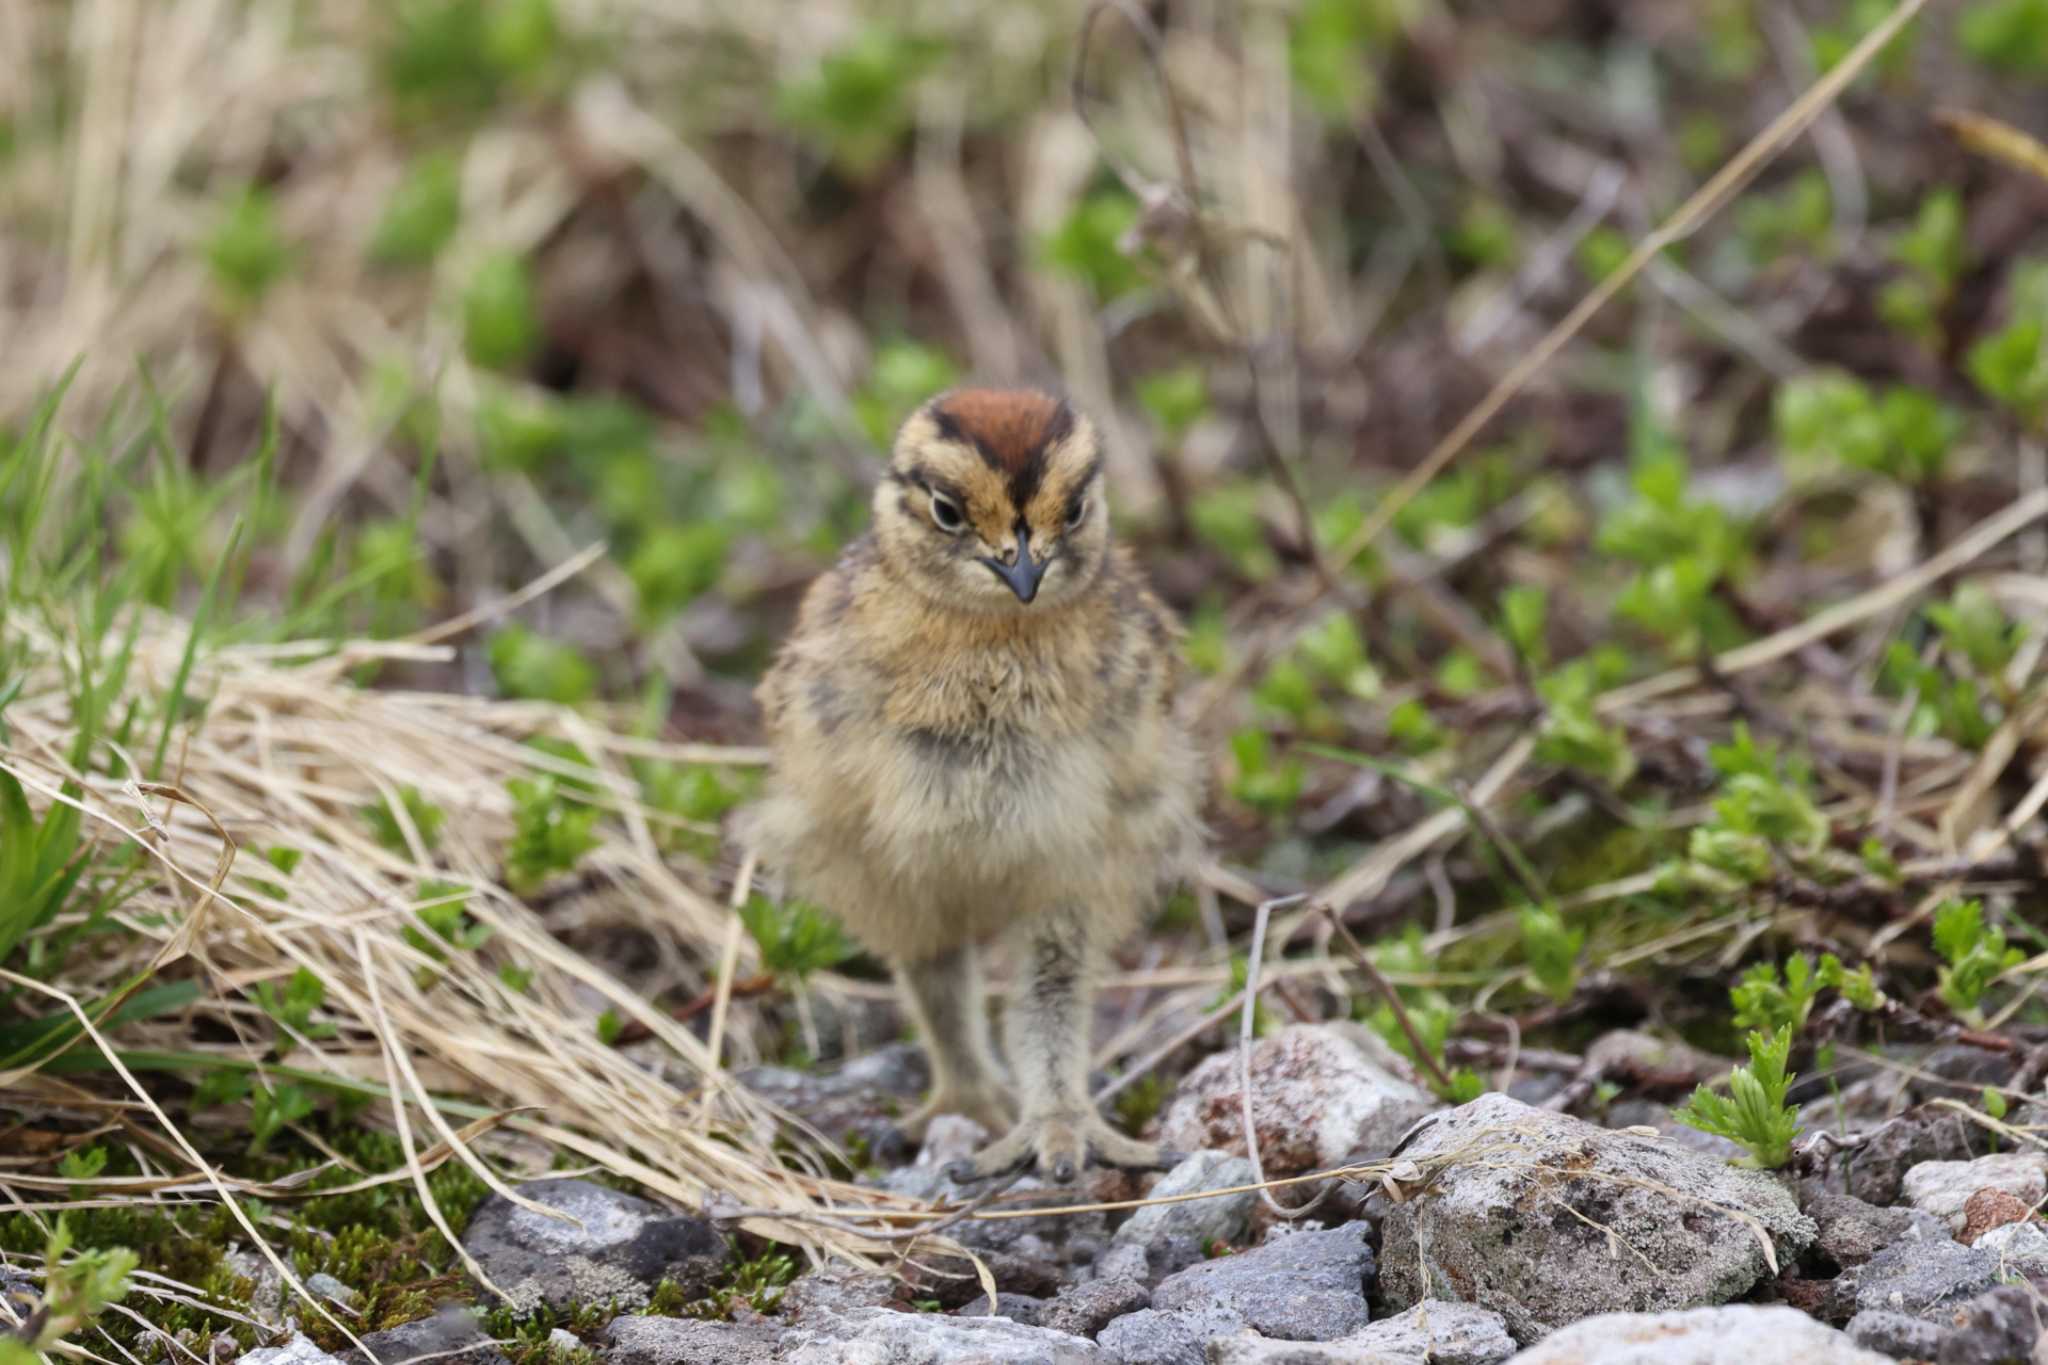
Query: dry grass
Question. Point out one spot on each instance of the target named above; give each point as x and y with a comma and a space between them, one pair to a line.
290, 756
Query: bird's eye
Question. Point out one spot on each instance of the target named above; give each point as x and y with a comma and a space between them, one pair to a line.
1077, 514
946, 514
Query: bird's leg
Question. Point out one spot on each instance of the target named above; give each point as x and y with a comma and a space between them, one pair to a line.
1045, 1031
947, 1000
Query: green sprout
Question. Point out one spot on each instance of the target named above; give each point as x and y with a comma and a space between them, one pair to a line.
795, 939
1975, 954
1754, 1112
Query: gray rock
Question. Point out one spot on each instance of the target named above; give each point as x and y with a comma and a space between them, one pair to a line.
450, 1337
2003, 1325
1735, 1334
2021, 1248
1085, 1309
1016, 1307
1898, 1335
327, 1287
561, 1340
1152, 1337
1850, 1231
267, 1293
1131, 1262
624, 1248
1224, 1218
633, 1339
1546, 1219
300, 1350
1878, 1168
1061, 1240
834, 1289
1941, 1188
862, 1099
1955, 1069
1924, 1279
1306, 1286
1319, 1093
1434, 1332
878, 1336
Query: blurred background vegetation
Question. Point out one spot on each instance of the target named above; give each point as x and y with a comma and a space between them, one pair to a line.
329, 320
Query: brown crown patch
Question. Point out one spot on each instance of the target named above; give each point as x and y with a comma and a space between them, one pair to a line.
1010, 428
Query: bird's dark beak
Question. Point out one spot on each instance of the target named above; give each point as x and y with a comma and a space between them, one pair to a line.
1022, 576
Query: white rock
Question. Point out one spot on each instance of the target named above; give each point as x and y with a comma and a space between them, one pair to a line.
300, 1350
1738, 1334
2022, 1247
1434, 1332
881, 1336
1943, 1187
1546, 1219
1320, 1092
1223, 1218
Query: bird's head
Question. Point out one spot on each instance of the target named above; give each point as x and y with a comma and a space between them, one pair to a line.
993, 501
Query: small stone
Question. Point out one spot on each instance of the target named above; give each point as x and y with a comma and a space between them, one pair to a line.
1022, 1308
1085, 1309
1152, 1337
636, 1339
1730, 1335
1434, 1332
1898, 1335
1988, 1209
1130, 1262
266, 1297
1924, 1279
2021, 1248
1223, 1218
860, 1100
1319, 1093
949, 1138
1851, 1231
1307, 1286
299, 1350
561, 1340
1942, 1188
327, 1287
1555, 1219
1878, 1168
624, 1247
2003, 1324
834, 1289
878, 1336
1958, 1066
450, 1337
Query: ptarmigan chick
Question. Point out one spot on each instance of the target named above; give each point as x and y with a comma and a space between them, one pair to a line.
974, 738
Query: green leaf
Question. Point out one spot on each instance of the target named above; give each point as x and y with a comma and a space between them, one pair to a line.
1524, 613
1088, 245
795, 938
246, 250
549, 834
676, 564
421, 214
1175, 399
500, 316
532, 667
1972, 625
1754, 1112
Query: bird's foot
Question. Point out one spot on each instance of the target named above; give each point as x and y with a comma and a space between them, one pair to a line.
1058, 1146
